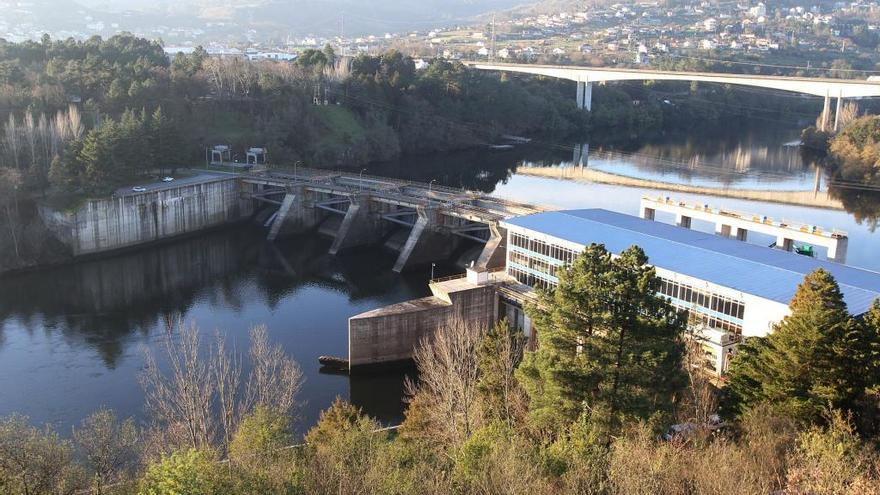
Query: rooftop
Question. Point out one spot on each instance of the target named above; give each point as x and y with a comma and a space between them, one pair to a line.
769, 273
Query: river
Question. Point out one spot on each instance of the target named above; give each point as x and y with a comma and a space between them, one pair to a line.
72, 338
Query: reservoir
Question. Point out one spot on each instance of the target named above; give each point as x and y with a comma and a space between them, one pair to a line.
72, 338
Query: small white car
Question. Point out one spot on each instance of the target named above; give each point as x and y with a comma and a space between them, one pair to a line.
139, 189
168, 179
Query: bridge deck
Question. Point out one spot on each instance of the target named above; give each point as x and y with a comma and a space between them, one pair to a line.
451, 201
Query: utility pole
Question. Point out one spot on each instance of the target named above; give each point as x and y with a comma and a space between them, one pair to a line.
492, 53
342, 34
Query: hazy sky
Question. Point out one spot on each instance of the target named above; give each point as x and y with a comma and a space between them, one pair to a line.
318, 16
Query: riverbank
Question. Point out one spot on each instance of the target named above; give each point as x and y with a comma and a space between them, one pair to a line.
586, 175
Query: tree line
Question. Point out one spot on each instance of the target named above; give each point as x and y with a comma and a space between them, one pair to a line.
583, 413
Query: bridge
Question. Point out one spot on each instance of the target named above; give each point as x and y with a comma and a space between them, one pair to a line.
586, 76
423, 222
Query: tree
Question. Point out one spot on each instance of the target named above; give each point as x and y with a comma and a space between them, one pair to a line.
609, 348
448, 375
193, 472
260, 437
34, 461
813, 359
342, 447
499, 354
10, 182
110, 448
199, 402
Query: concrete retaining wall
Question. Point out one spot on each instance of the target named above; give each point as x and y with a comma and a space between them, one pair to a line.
107, 224
392, 333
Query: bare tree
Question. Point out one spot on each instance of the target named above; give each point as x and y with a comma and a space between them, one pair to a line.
110, 448
226, 368
701, 401
275, 379
30, 137
182, 401
200, 401
12, 140
10, 182
449, 372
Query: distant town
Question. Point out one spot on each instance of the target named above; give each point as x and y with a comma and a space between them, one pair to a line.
629, 34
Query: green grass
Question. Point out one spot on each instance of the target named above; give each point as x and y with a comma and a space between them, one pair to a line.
341, 124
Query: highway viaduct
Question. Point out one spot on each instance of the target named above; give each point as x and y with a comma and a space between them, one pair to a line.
586, 76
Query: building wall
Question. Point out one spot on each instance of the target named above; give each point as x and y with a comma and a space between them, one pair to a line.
392, 333
758, 315
107, 224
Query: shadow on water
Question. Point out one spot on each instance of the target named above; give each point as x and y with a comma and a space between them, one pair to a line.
76, 331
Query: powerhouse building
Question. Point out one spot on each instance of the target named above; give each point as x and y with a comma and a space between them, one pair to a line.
731, 289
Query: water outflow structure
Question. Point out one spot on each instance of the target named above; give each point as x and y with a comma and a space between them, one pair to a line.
423, 222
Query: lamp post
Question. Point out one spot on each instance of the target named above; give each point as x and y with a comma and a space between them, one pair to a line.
361, 180
431, 184
294, 169
432, 270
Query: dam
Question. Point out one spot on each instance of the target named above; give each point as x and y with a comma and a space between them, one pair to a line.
423, 223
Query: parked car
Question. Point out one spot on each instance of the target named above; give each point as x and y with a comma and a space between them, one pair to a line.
139, 189
167, 179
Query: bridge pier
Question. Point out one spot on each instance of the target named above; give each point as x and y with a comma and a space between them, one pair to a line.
585, 95
837, 112
581, 155
826, 111
425, 242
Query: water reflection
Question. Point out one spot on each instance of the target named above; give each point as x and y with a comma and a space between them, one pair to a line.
757, 159
71, 337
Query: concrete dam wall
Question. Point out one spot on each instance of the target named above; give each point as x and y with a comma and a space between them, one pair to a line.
113, 223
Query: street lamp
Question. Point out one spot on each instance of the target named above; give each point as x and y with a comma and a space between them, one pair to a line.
294, 168
432, 270
431, 184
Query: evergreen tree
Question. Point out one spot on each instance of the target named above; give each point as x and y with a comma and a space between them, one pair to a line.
813, 359
609, 347
164, 141
499, 354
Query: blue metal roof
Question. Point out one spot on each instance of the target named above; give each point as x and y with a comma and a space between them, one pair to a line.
769, 273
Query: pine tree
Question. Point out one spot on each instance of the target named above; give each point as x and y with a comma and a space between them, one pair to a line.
499, 354
609, 347
813, 359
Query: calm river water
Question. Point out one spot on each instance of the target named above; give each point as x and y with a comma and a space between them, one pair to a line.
72, 338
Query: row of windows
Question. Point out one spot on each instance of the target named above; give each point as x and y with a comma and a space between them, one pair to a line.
701, 298
564, 255
529, 279
678, 291
535, 264
699, 319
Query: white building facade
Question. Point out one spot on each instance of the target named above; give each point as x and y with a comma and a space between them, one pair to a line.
721, 310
